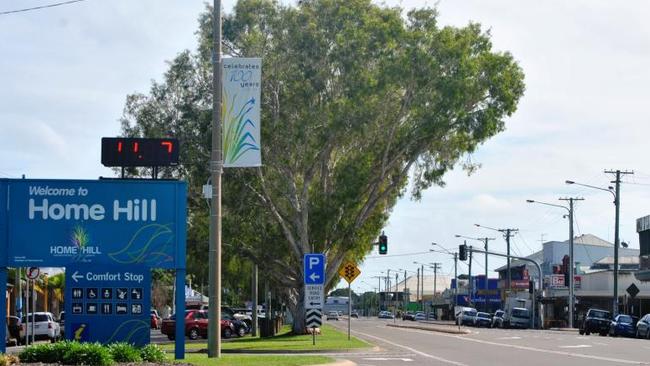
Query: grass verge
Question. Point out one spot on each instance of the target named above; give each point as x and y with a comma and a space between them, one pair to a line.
201, 359
330, 339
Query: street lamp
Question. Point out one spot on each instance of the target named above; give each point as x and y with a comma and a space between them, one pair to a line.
571, 259
617, 206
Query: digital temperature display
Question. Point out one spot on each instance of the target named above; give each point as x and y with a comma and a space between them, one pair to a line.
117, 151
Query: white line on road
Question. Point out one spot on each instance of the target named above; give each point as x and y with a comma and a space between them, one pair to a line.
412, 349
509, 338
387, 359
525, 348
576, 346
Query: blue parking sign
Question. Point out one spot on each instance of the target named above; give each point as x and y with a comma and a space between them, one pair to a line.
314, 269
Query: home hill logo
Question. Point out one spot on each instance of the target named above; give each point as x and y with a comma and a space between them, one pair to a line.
79, 248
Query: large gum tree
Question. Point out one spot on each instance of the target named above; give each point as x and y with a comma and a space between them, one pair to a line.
359, 101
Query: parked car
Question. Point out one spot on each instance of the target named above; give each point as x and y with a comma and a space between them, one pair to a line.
240, 326
196, 325
482, 320
156, 320
497, 319
595, 321
433, 316
622, 325
466, 316
420, 316
44, 327
516, 317
386, 315
409, 315
643, 327
332, 315
354, 314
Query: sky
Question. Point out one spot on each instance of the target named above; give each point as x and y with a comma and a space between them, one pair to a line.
65, 73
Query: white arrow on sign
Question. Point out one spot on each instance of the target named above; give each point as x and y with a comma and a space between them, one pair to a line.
76, 276
314, 277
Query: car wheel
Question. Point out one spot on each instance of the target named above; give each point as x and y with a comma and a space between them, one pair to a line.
193, 334
647, 334
227, 333
241, 332
602, 334
581, 331
587, 332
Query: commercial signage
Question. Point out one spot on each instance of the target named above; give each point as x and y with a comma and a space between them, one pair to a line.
108, 304
241, 92
55, 223
557, 281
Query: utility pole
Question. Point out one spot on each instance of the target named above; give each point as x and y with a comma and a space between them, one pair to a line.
396, 299
508, 234
436, 267
216, 169
404, 300
255, 301
617, 204
456, 277
422, 288
571, 283
471, 282
417, 289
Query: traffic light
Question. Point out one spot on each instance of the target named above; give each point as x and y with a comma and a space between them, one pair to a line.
531, 287
462, 252
383, 244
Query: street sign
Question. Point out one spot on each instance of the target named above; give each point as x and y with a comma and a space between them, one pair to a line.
313, 318
314, 296
349, 271
97, 312
314, 269
33, 272
53, 223
633, 290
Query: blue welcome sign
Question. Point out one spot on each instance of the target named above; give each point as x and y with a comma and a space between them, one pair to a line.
56, 223
114, 226
108, 304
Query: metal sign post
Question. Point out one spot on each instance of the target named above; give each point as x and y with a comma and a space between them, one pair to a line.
314, 280
349, 272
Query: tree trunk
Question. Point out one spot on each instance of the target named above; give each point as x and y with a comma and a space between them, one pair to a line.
296, 305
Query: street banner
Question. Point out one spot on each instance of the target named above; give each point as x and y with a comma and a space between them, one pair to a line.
240, 113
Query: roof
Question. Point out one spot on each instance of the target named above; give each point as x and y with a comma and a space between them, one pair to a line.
589, 239
621, 260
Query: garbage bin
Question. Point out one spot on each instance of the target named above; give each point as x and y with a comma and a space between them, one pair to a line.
266, 327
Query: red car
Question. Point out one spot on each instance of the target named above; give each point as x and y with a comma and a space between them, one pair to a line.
196, 325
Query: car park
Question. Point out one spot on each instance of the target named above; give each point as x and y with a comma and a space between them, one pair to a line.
622, 325
44, 327
643, 327
595, 321
332, 315
409, 315
196, 325
482, 320
497, 319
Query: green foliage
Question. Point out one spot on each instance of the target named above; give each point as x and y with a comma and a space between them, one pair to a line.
357, 103
69, 353
152, 353
124, 352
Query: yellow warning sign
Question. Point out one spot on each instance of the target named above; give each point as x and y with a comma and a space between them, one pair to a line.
349, 271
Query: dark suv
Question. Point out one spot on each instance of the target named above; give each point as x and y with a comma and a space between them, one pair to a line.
596, 321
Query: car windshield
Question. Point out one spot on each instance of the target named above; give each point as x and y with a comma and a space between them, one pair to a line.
38, 318
625, 319
469, 312
520, 313
599, 314
483, 315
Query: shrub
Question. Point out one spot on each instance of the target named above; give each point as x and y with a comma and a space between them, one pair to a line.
124, 352
46, 353
6, 360
92, 354
152, 353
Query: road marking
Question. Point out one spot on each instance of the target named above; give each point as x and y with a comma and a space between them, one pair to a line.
526, 348
412, 349
576, 346
388, 359
509, 338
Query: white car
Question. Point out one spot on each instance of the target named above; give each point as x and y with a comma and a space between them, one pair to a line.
44, 327
333, 315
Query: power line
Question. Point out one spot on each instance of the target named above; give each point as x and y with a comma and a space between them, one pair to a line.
40, 7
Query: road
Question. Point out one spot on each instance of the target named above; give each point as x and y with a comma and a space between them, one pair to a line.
484, 347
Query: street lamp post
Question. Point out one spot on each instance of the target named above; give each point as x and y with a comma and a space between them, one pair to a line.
455, 268
617, 205
571, 284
